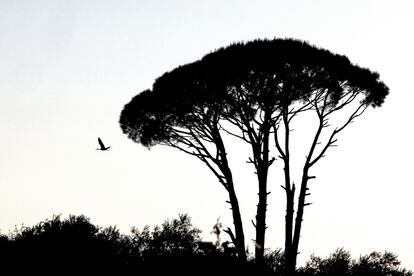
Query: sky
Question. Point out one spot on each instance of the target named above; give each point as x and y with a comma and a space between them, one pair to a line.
67, 68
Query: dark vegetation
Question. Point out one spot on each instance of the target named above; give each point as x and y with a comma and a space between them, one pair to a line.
75, 246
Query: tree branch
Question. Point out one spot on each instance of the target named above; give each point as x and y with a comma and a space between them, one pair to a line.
230, 233
331, 141
279, 148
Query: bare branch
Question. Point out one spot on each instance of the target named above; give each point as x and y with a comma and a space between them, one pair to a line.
315, 140
351, 94
221, 178
230, 233
303, 108
358, 112
205, 158
235, 135
279, 148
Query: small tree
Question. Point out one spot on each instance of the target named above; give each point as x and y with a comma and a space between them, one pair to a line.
73, 244
338, 264
177, 237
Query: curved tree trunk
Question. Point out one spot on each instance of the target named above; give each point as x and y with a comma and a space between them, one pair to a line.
238, 238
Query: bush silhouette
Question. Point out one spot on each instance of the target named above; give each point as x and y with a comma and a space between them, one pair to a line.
175, 247
177, 237
67, 245
75, 246
377, 263
340, 263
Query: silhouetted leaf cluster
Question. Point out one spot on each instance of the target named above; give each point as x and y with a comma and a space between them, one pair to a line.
243, 78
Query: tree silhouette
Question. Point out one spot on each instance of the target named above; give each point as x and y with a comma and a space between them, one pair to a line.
229, 91
252, 91
73, 245
184, 111
331, 87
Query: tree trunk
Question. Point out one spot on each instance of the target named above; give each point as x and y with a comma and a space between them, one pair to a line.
290, 201
299, 215
289, 260
261, 218
238, 241
262, 165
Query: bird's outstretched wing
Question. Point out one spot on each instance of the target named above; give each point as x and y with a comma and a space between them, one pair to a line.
100, 143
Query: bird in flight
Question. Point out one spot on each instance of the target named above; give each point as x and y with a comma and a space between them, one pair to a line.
102, 146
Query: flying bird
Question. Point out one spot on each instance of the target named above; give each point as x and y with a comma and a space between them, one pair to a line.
102, 146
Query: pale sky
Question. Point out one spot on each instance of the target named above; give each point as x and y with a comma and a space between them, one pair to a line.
68, 67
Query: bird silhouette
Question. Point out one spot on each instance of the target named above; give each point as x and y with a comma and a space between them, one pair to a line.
102, 146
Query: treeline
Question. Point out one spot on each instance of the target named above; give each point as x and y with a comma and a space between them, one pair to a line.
75, 246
